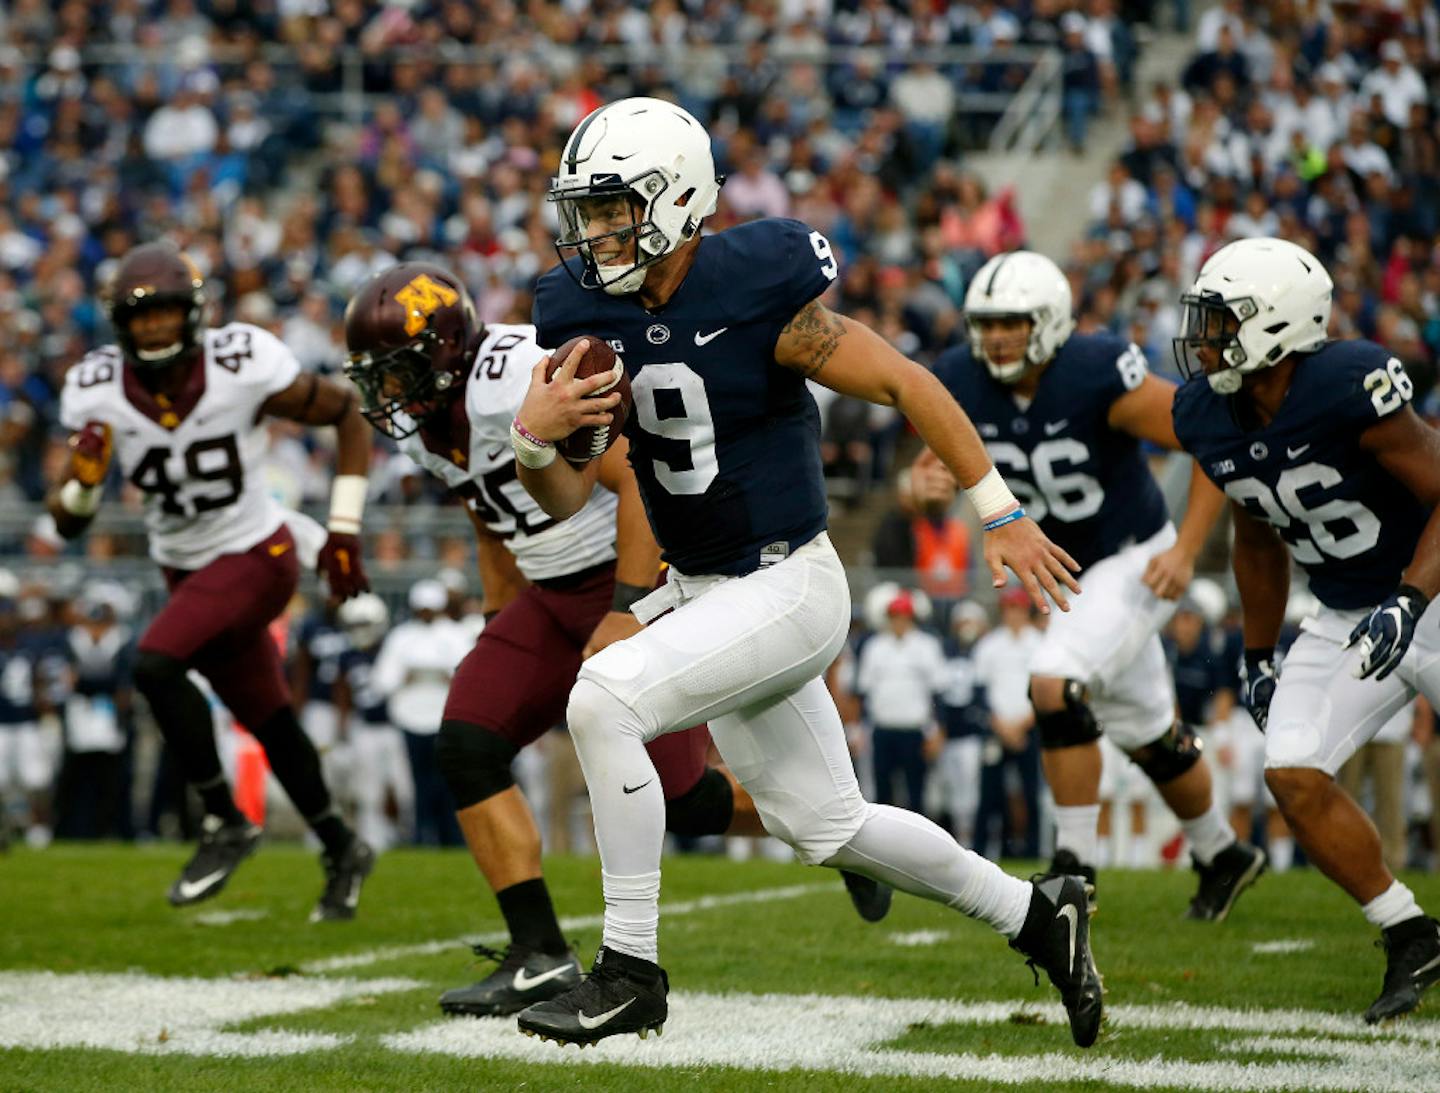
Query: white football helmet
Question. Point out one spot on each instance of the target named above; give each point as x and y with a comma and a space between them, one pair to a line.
1027, 284
653, 153
1254, 303
364, 619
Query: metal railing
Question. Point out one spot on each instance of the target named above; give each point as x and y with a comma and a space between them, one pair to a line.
1034, 112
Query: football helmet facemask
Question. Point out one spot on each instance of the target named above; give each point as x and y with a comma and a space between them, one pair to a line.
155, 275
1027, 285
1254, 303
643, 168
411, 332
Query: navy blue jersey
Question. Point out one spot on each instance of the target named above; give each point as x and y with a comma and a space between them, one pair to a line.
1087, 485
963, 708
1198, 674
357, 666
325, 643
1351, 524
725, 442
17, 685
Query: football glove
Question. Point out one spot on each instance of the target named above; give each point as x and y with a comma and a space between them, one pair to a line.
1385, 633
90, 448
341, 566
1259, 673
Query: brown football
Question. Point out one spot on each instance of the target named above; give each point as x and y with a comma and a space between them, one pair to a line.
591, 441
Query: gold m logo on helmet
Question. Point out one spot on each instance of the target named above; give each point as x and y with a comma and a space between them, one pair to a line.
420, 299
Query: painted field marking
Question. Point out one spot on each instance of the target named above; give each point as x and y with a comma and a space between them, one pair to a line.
918, 938
1284, 945
574, 922
227, 918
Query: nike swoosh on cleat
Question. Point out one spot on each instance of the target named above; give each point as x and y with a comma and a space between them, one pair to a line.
637, 789
353, 899
1418, 972
588, 1022
706, 339
523, 982
189, 889
1070, 915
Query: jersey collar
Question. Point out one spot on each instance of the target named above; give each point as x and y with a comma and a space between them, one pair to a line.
168, 413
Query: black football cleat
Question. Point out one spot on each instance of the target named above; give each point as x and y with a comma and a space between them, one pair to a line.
1412, 963
1056, 937
343, 877
1234, 869
222, 848
1066, 863
621, 994
523, 978
870, 897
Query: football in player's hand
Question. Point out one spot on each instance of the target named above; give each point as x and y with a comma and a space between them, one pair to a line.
590, 441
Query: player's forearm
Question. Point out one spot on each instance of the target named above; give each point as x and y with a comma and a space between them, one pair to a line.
944, 426
637, 554
1201, 511
1262, 576
559, 488
353, 444
1423, 572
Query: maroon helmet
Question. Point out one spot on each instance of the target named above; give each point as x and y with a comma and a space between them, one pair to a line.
412, 332
155, 275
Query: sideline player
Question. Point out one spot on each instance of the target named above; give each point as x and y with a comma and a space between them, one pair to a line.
1324, 462
718, 335
179, 406
1063, 415
447, 388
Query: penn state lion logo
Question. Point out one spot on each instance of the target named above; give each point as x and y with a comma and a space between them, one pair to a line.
421, 298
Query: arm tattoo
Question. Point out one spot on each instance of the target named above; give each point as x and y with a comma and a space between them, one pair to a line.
815, 333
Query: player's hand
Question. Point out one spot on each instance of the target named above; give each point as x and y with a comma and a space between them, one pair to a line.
90, 449
1259, 673
615, 626
931, 484
1168, 573
1386, 633
555, 408
1041, 565
341, 566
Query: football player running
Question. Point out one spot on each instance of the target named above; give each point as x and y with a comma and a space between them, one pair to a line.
718, 335
1063, 415
447, 387
178, 406
1325, 462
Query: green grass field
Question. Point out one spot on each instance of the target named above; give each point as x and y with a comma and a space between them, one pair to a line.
776, 985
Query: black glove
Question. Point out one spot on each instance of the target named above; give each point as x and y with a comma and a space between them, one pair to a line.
1258, 676
341, 566
1385, 633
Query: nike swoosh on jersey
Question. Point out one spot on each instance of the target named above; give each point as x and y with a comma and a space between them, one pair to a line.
586, 1021
496, 453
1071, 915
706, 339
277, 549
1296, 453
1053, 427
523, 982
189, 889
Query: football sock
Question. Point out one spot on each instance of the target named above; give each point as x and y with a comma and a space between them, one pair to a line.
629, 811
909, 852
183, 716
215, 795
1077, 830
1282, 853
530, 917
1392, 906
1209, 834
296, 764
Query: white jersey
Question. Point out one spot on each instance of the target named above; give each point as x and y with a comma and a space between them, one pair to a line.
199, 465
485, 474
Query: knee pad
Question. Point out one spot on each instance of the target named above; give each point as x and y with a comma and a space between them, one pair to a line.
1072, 726
1170, 756
705, 809
593, 709
474, 761
154, 669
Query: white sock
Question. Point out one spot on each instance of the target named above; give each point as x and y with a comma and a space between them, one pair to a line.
632, 914
1138, 856
1282, 853
908, 852
629, 827
1104, 852
1209, 834
1392, 906
1076, 830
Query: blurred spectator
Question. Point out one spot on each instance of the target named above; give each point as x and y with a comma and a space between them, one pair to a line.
1379, 767
965, 720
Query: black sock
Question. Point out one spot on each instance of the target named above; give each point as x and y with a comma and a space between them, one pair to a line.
296, 764
218, 801
530, 916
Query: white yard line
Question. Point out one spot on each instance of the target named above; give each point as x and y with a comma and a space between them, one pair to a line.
1284, 946
575, 922
918, 938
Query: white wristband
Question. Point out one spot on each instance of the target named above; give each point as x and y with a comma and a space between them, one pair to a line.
347, 503
78, 499
991, 497
528, 453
